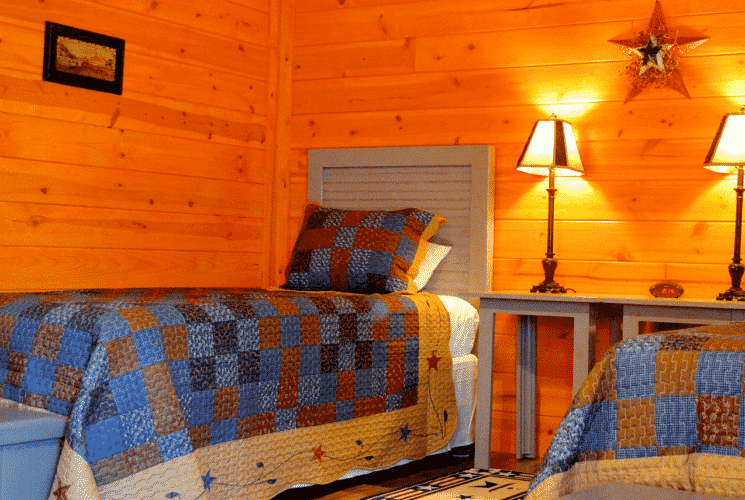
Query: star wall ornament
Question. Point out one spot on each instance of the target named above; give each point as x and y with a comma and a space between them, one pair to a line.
655, 55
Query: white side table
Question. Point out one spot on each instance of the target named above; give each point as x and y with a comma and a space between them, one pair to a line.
527, 306
584, 310
694, 311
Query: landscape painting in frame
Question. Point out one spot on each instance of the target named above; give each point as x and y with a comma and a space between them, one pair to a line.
82, 58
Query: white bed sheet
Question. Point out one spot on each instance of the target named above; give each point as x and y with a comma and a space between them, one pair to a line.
464, 321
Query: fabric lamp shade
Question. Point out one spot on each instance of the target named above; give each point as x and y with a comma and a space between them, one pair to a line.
727, 153
551, 146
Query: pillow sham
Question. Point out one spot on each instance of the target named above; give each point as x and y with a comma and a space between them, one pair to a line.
362, 251
432, 257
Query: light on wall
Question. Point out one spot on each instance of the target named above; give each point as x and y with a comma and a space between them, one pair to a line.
551, 150
727, 156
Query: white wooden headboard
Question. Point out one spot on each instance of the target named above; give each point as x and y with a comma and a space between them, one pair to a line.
456, 182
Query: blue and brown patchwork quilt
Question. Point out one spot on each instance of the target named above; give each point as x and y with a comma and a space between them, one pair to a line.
224, 393
663, 410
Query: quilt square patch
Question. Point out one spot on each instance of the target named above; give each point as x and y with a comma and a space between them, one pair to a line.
675, 421
719, 373
636, 419
718, 420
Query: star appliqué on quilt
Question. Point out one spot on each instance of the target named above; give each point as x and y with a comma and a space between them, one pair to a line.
405, 431
433, 360
318, 453
208, 479
61, 491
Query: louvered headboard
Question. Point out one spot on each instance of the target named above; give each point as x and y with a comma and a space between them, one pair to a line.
456, 182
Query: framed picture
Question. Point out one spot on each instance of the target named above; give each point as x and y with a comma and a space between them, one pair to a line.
83, 59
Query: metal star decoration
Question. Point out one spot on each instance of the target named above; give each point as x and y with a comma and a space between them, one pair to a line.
655, 54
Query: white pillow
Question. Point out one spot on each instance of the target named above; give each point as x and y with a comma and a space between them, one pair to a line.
435, 254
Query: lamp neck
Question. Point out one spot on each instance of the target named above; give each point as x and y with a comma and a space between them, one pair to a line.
551, 195
738, 215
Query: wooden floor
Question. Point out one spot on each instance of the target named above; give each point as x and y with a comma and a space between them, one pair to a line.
413, 473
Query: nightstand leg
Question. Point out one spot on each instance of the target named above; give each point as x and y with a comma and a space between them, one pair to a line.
482, 452
525, 433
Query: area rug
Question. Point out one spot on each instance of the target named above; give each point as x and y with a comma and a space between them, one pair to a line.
475, 484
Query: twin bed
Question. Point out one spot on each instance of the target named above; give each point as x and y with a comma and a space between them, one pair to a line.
659, 416
360, 362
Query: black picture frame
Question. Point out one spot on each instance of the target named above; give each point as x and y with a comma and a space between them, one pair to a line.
83, 59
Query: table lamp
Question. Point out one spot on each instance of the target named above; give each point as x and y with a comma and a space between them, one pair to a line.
727, 156
551, 150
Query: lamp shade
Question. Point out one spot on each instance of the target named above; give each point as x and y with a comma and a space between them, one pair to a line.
551, 146
727, 153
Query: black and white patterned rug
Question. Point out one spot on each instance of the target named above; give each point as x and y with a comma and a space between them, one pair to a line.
475, 484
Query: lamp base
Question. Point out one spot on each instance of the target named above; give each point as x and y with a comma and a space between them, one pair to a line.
732, 293
736, 270
551, 287
548, 284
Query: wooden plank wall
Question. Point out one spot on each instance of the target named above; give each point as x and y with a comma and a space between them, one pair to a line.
166, 185
437, 72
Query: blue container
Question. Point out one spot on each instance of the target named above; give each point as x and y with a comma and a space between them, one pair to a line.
29, 451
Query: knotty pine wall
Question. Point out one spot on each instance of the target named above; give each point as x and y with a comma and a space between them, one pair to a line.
437, 72
170, 184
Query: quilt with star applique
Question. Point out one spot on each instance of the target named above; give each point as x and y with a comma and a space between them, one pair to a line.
224, 393
662, 410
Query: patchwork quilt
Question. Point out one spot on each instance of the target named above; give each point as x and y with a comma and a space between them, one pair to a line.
205, 393
662, 410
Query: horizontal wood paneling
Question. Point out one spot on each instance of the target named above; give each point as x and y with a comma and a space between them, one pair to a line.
143, 113
59, 141
65, 269
321, 89
49, 183
242, 20
33, 224
648, 241
164, 185
613, 277
386, 57
666, 116
146, 34
382, 19
432, 72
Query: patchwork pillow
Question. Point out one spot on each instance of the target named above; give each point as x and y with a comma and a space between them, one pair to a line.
362, 251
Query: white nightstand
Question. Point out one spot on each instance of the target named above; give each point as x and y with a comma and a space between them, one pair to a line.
584, 310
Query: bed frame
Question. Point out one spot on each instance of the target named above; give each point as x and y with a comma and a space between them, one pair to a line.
456, 182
